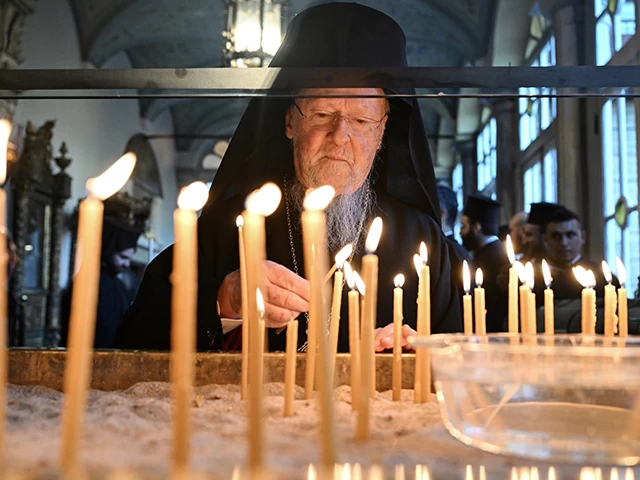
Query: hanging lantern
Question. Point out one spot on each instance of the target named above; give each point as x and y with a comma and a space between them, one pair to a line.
254, 31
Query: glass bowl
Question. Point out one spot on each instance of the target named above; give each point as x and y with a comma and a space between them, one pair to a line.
562, 398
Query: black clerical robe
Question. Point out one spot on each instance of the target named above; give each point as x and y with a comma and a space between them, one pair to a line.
147, 323
492, 259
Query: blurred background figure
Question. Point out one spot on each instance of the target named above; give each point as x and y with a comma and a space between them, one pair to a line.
449, 217
516, 230
119, 242
534, 248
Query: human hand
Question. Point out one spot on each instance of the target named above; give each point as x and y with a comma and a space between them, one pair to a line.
383, 337
285, 295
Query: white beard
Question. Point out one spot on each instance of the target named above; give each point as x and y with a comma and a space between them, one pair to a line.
346, 214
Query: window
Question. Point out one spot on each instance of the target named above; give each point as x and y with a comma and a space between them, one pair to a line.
540, 180
487, 160
620, 172
615, 25
456, 184
536, 112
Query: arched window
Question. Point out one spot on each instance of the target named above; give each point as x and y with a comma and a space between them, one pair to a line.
615, 25
540, 184
620, 182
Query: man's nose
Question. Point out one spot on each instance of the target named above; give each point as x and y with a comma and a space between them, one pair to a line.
340, 132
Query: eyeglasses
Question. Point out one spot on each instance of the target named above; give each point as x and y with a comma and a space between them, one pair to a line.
326, 121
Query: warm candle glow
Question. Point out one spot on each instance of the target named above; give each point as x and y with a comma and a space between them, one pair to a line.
530, 275
5, 132
581, 275
479, 277
417, 262
260, 302
398, 281
113, 179
239, 221
424, 256
546, 272
348, 274
466, 276
265, 200
312, 474
622, 272
521, 271
607, 271
373, 237
591, 279
510, 252
319, 198
359, 283
194, 196
343, 254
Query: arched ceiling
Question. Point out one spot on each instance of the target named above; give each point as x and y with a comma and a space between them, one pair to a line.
187, 33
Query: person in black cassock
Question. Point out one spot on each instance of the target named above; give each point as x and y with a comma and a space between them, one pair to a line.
479, 230
373, 151
448, 216
535, 248
119, 240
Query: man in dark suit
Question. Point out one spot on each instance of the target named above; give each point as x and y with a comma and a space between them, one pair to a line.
448, 216
534, 247
479, 230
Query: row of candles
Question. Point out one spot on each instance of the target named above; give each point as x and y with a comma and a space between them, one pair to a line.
525, 297
77, 376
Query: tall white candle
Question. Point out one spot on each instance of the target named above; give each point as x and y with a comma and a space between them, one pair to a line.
259, 204
84, 303
184, 301
623, 312
370, 274
479, 300
396, 373
549, 309
466, 299
336, 305
587, 280
354, 334
531, 300
513, 289
315, 264
610, 302
245, 308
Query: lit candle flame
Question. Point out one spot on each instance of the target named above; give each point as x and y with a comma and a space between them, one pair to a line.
312, 473
466, 277
398, 281
552, 473
113, 179
510, 253
319, 198
265, 200
468, 474
359, 283
373, 237
546, 272
343, 254
239, 221
260, 302
5, 133
591, 278
530, 275
417, 262
479, 277
348, 274
607, 271
194, 196
622, 272
423, 253
582, 276
521, 271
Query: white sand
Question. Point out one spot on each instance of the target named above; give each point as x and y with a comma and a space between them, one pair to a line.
132, 428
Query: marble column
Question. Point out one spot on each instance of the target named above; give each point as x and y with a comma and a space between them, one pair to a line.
507, 152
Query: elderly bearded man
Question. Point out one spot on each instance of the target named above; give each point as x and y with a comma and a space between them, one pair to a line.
374, 153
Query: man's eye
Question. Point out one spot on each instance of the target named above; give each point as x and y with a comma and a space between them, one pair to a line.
362, 121
322, 115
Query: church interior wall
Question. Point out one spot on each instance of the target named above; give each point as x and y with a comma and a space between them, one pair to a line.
96, 131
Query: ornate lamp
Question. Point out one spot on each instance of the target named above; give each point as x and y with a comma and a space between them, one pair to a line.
254, 31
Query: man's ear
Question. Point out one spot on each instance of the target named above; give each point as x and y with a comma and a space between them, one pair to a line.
288, 128
476, 227
583, 237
